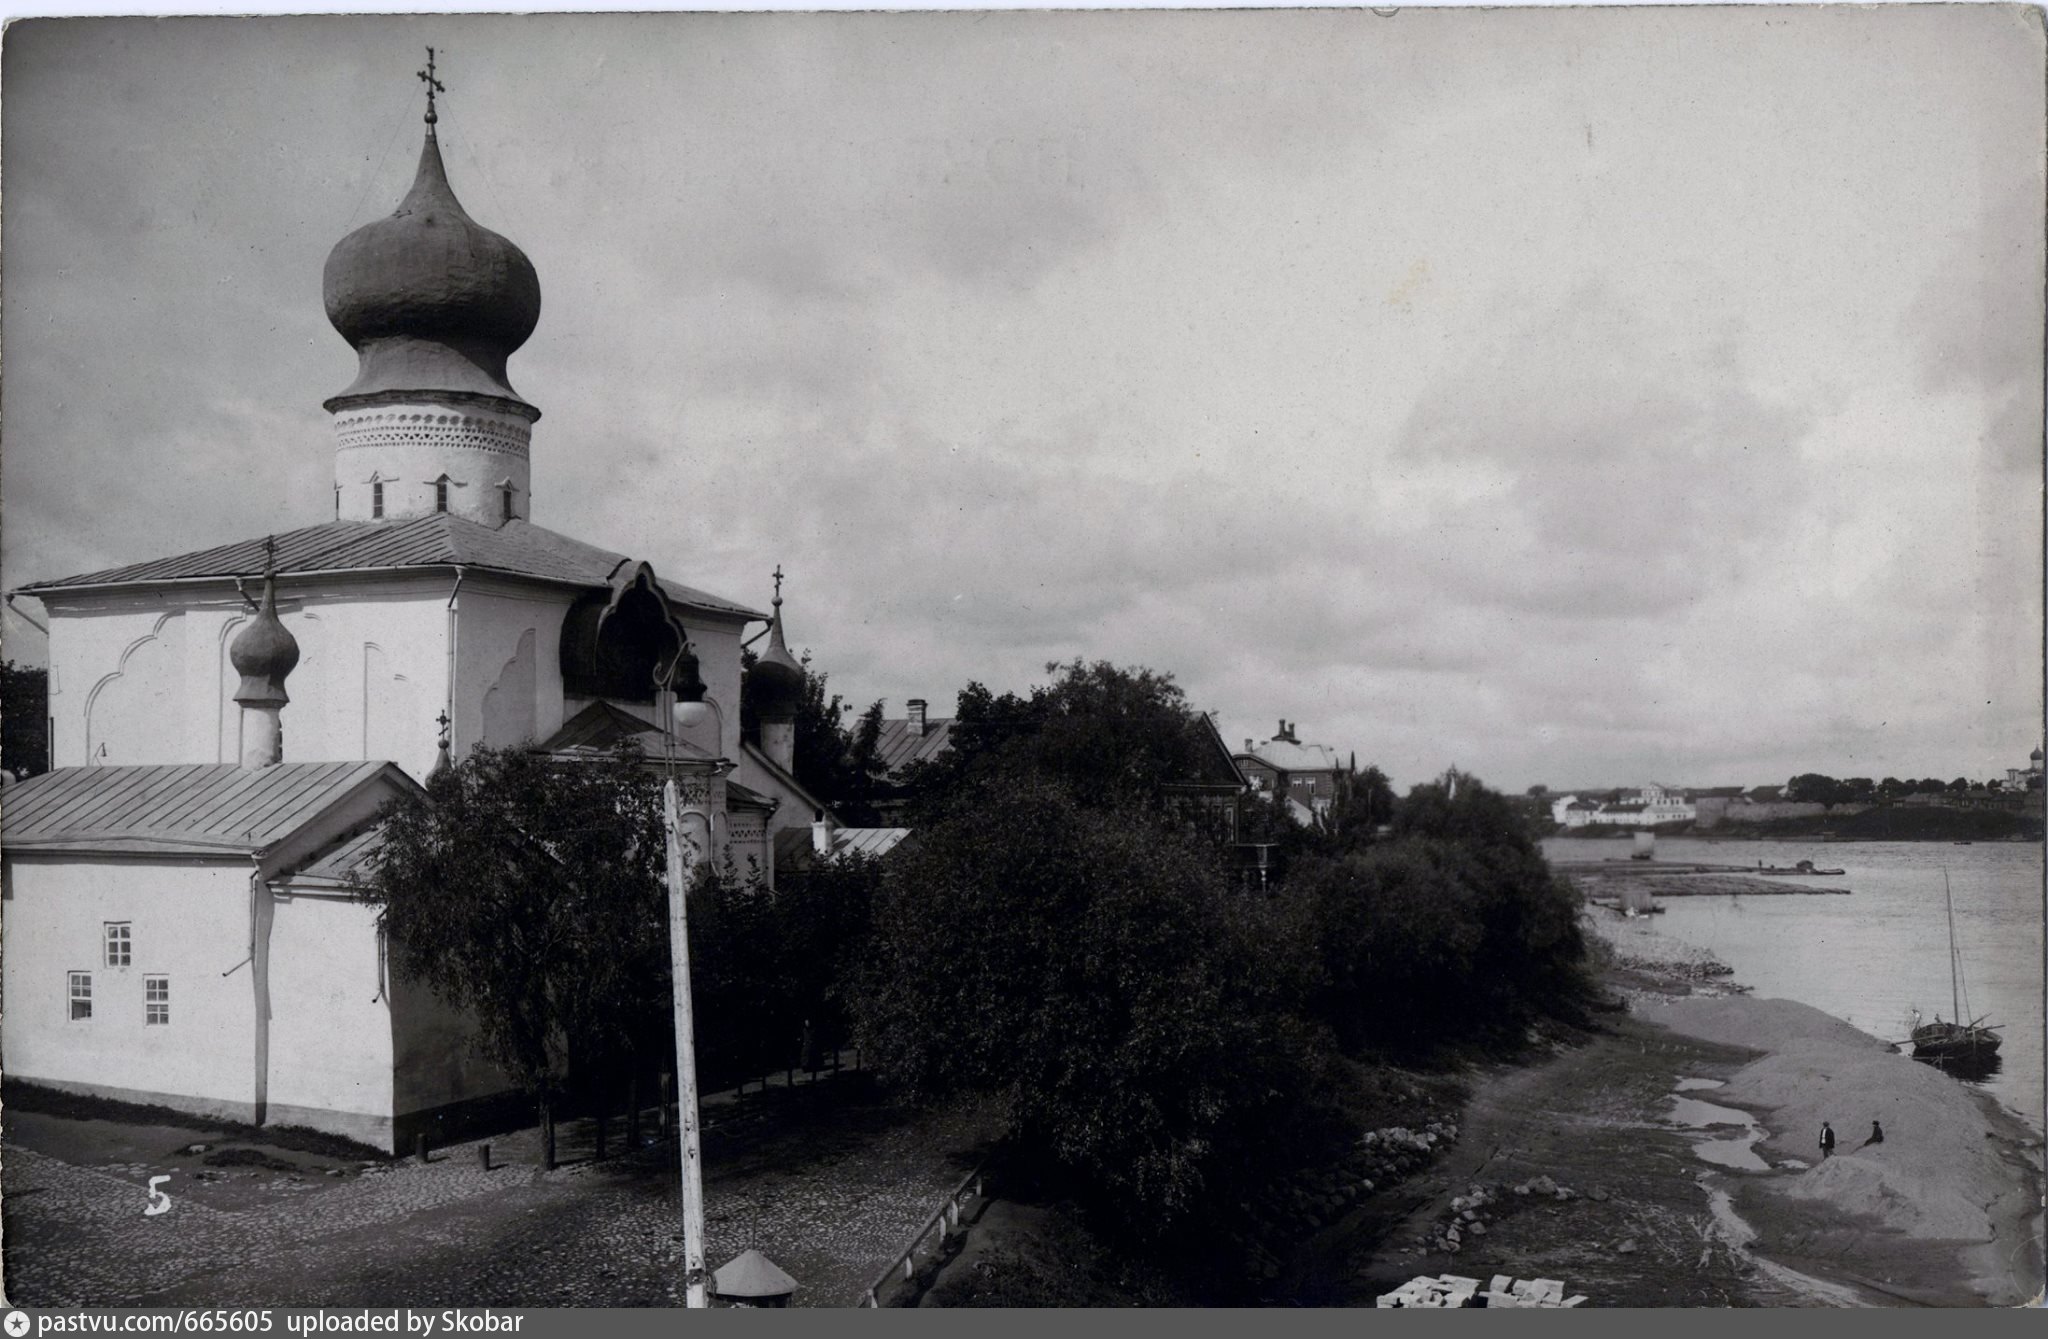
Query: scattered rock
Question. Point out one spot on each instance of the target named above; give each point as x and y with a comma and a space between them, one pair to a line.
1597, 1194
1626, 1248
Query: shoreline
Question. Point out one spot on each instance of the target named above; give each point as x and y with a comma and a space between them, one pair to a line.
1579, 1172
1954, 1190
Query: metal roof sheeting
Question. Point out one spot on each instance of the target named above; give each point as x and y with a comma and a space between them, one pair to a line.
896, 748
345, 857
795, 848
193, 809
518, 548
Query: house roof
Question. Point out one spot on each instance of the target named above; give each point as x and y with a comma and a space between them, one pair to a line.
191, 809
1283, 756
440, 539
896, 748
795, 850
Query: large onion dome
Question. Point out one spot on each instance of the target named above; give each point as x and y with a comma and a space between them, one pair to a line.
430, 299
776, 683
264, 652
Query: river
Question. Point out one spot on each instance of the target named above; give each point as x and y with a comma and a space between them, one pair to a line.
1871, 957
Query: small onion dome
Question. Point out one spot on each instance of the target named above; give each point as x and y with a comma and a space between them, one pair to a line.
263, 653
752, 1277
430, 299
2035, 756
776, 682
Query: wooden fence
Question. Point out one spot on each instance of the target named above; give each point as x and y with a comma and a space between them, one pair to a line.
946, 1221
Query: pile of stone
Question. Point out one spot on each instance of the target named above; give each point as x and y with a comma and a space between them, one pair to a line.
1313, 1199
1453, 1290
1470, 1212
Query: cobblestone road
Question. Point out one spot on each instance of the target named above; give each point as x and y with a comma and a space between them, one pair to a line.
829, 1188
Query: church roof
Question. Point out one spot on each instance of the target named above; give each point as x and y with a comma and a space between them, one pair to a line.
600, 727
190, 809
336, 863
440, 539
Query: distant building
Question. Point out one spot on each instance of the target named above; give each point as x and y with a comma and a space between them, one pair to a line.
2025, 778
1283, 766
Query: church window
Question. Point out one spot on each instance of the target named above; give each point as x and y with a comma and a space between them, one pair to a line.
441, 493
119, 943
156, 1000
81, 995
376, 499
505, 494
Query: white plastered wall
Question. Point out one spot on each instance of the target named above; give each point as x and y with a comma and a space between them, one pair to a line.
145, 677
189, 921
331, 1049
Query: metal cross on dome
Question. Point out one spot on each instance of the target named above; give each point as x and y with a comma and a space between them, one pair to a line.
778, 585
433, 86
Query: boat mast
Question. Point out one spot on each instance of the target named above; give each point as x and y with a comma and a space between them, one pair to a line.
1954, 986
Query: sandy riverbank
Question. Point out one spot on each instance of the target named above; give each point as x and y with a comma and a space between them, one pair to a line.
1946, 1209
1945, 1212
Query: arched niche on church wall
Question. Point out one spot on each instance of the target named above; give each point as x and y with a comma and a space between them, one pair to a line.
509, 703
620, 644
134, 710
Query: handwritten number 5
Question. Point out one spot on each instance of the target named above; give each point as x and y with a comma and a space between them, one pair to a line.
158, 1201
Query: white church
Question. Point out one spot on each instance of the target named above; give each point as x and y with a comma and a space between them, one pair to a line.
225, 724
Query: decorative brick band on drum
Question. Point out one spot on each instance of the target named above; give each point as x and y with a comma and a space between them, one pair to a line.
400, 427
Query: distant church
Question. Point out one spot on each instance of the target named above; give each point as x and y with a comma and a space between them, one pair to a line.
177, 914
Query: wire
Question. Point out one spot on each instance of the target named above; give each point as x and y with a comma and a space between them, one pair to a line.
372, 179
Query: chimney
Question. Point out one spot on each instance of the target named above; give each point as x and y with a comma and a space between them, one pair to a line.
916, 706
1247, 746
821, 834
263, 654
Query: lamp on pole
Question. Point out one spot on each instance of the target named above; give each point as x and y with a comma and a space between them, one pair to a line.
688, 829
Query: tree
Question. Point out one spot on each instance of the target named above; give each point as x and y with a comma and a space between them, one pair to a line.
1089, 969
1960, 784
1115, 737
1815, 788
532, 895
24, 719
1456, 927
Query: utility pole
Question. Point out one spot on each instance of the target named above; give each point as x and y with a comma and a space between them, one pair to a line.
682, 863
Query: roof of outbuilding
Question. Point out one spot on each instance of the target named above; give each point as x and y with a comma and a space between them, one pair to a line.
191, 809
439, 539
795, 848
896, 748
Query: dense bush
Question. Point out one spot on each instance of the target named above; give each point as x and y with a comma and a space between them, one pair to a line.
1092, 970
1453, 928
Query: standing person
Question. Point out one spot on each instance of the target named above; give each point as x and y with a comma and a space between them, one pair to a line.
1827, 1141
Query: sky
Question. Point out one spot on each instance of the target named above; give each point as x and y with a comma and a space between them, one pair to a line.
1574, 397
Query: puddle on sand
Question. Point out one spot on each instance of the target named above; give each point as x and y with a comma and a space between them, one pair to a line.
1736, 1152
